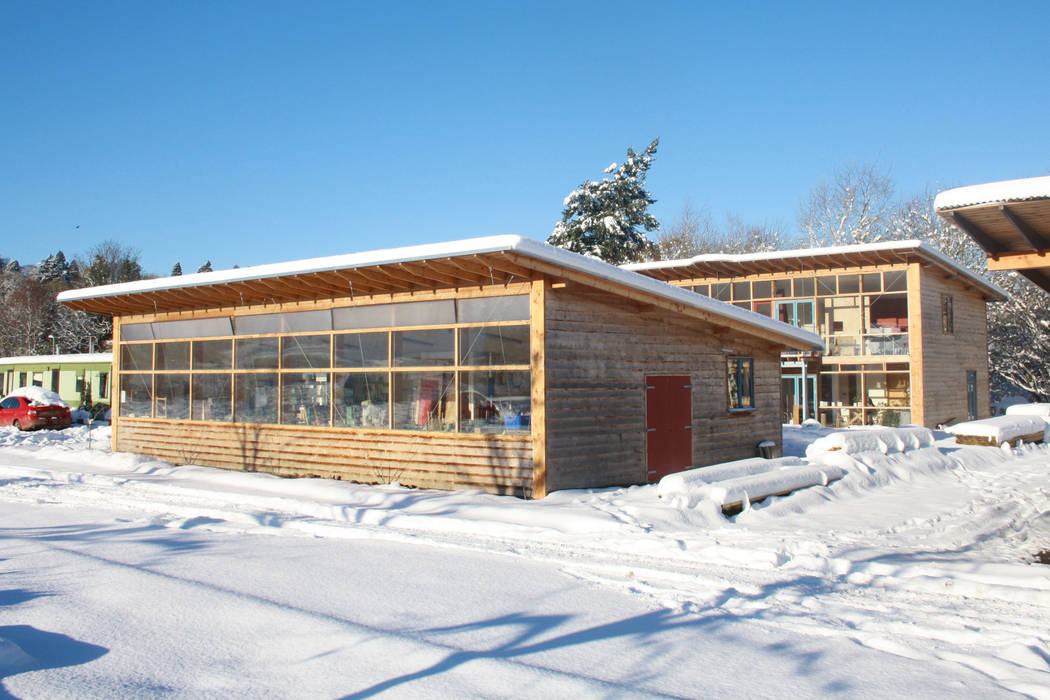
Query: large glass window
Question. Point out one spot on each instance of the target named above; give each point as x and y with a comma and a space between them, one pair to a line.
361, 399
424, 401
305, 398
423, 348
362, 350
494, 345
136, 358
212, 354
268, 371
211, 397
255, 400
173, 356
494, 401
257, 353
305, 351
172, 396
136, 395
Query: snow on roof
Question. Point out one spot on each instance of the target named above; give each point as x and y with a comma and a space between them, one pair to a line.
913, 245
1020, 190
470, 246
85, 357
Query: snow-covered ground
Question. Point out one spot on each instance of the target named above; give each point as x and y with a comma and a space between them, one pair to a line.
911, 576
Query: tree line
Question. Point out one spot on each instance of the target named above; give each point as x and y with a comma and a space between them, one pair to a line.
33, 323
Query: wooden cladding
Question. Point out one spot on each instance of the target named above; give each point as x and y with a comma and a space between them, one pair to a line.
495, 463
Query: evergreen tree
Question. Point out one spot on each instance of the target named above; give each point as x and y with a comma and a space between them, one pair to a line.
605, 219
206, 267
176, 269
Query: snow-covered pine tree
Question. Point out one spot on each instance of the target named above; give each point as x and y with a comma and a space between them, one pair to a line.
206, 267
176, 269
607, 219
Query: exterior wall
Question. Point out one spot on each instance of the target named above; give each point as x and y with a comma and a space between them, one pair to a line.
946, 358
97, 374
495, 463
937, 363
600, 347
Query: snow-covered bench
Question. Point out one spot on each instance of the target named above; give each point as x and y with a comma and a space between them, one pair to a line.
735, 485
1000, 429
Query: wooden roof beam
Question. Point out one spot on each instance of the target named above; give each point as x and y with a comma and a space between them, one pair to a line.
1027, 232
470, 273
990, 245
434, 274
367, 288
1020, 261
507, 265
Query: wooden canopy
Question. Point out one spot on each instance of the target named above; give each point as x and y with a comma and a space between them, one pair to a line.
1010, 220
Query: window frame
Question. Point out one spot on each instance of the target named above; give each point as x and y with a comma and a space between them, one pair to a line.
734, 371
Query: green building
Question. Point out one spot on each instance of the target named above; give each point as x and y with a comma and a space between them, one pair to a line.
74, 377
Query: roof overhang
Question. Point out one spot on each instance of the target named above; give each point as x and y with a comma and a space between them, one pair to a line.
492, 260
814, 260
1010, 220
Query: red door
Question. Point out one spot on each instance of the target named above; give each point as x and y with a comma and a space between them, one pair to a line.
668, 424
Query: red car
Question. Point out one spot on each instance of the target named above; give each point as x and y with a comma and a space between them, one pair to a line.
24, 414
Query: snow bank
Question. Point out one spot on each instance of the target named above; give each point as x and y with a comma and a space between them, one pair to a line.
39, 395
1030, 409
742, 481
863, 440
1000, 429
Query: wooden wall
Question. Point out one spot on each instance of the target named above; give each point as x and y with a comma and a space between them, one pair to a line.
945, 359
599, 349
494, 463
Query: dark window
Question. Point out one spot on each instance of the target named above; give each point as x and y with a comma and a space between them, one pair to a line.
762, 290
741, 383
782, 288
702, 289
720, 291
872, 282
896, 281
826, 285
947, 315
849, 284
804, 287
741, 291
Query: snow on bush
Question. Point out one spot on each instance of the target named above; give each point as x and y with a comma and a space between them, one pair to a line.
39, 395
878, 440
742, 481
1001, 429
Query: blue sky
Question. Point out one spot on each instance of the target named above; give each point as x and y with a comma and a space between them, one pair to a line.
257, 132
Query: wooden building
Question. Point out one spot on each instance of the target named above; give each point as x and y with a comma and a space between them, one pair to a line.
1010, 220
904, 326
77, 378
497, 363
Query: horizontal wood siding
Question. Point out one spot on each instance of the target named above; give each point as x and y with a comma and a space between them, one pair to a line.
947, 357
600, 348
497, 464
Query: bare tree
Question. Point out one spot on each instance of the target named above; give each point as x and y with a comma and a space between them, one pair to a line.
26, 310
853, 206
694, 233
